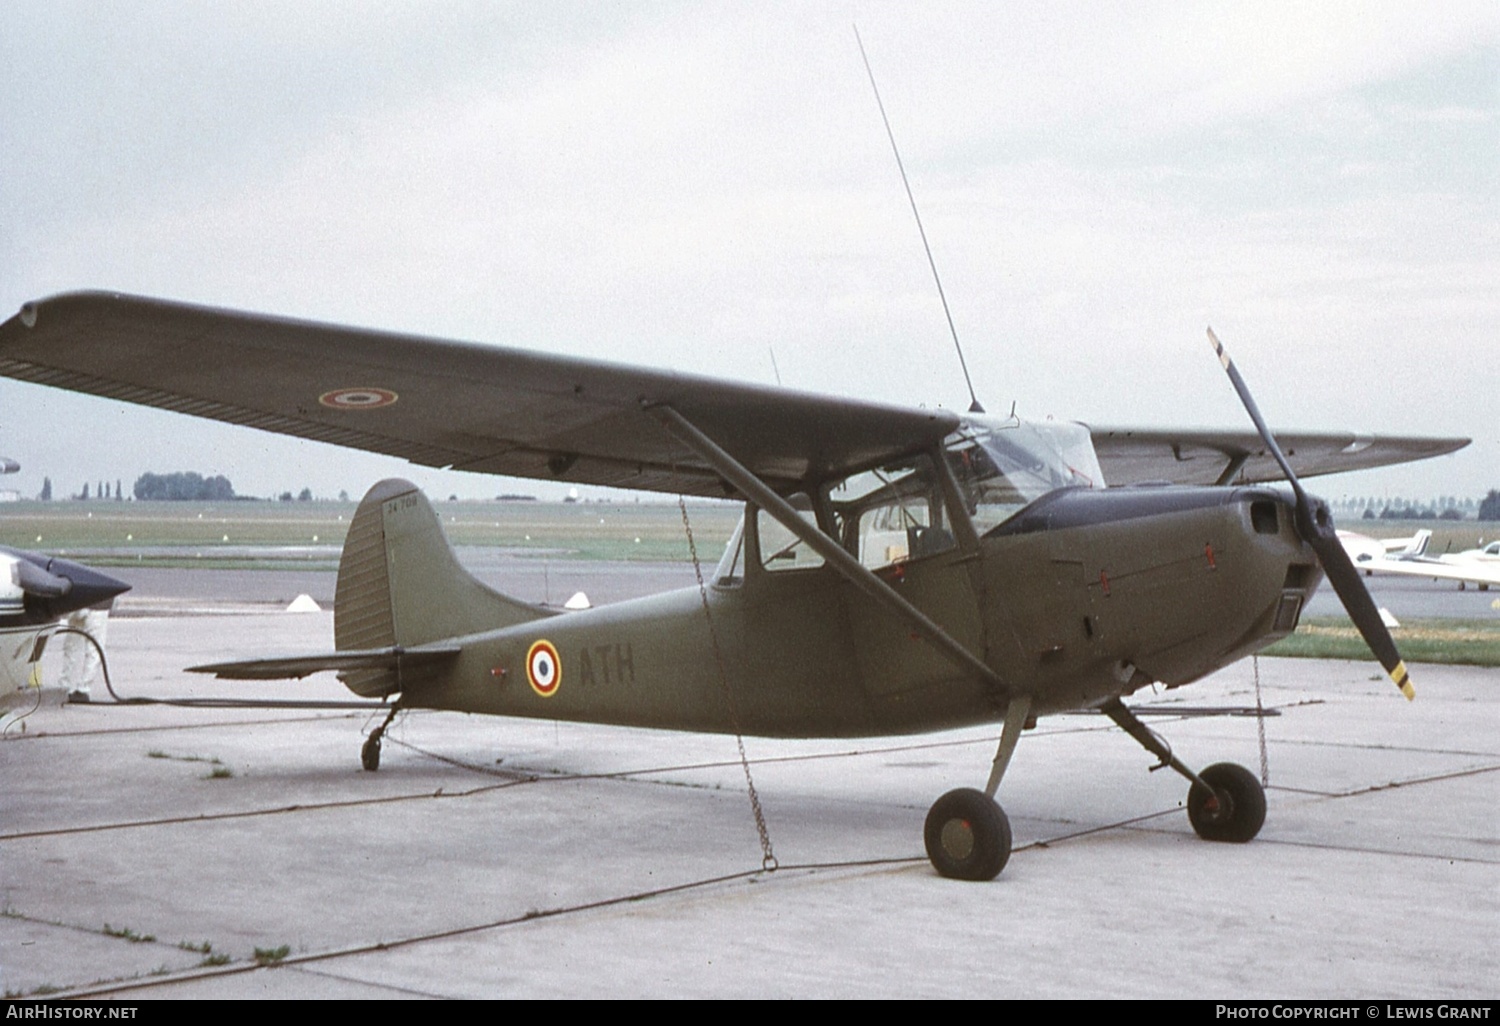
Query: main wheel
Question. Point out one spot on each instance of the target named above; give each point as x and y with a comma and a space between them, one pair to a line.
369, 753
1236, 808
967, 835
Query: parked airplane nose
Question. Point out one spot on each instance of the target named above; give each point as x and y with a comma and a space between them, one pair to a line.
1315, 525
87, 586
44, 588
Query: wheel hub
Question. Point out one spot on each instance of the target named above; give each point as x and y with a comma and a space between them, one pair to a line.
958, 838
967, 835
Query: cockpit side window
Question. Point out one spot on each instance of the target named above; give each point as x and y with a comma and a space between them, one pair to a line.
892, 514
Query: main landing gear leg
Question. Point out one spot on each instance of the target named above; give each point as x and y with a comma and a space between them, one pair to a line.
1225, 802
369, 754
967, 834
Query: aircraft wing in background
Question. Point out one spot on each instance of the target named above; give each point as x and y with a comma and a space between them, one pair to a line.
1200, 456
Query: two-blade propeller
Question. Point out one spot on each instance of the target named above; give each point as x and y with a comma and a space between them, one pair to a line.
1315, 525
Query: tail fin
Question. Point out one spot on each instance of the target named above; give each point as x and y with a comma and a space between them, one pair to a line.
400, 584
1416, 545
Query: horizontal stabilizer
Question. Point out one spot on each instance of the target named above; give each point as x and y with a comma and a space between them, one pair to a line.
281, 668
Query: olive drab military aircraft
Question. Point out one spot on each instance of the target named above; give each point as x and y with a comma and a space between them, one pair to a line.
896, 570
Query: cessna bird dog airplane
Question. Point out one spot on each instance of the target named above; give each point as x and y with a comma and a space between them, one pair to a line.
896, 570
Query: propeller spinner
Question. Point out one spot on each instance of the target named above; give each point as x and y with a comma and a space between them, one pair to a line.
1315, 525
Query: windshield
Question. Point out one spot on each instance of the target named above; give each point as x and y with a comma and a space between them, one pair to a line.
1003, 464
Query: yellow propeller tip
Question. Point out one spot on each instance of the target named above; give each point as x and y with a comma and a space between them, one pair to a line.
1403, 681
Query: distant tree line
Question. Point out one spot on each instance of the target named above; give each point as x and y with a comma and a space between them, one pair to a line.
179, 486
1489, 509
1373, 506
101, 491
1412, 513
1447, 507
183, 486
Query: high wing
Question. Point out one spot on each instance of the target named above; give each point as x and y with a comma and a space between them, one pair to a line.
495, 410
1206, 457
458, 405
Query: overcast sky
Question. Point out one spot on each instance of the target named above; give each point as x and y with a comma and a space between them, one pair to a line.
696, 185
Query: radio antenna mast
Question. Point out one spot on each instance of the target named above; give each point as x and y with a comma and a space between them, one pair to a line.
974, 405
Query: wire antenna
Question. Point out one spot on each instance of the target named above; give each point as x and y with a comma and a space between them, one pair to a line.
974, 405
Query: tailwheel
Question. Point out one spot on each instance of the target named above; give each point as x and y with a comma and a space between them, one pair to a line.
967, 835
369, 752
1233, 811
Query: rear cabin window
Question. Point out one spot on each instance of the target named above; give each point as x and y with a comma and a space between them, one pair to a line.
780, 549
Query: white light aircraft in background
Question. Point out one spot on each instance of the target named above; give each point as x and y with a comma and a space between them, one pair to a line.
1409, 556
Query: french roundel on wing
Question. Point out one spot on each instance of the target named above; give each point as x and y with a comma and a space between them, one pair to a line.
357, 398
544, 668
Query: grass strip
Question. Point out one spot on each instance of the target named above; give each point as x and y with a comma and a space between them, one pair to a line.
1455, 642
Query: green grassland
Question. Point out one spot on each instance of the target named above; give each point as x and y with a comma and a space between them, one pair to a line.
300, 534
76, 525
1462, 642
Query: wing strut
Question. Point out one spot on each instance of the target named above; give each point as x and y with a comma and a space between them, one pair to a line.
1232, 469
846, 565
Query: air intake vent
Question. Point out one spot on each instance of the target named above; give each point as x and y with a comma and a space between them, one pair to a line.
1288, 610
1263, 517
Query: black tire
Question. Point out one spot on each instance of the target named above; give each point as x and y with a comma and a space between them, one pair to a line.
1235, 811
369, 753
967, 835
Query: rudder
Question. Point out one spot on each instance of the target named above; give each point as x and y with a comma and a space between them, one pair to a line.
399, 583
